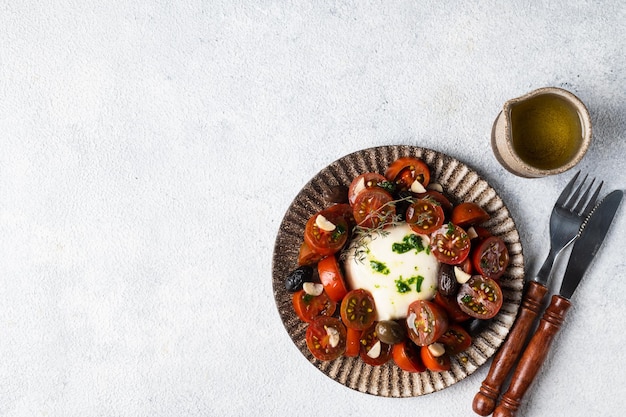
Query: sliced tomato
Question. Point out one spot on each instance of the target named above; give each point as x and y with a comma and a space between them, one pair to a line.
326, 242
456, 339
424, 216
365, 181
435, 364
440, 198
373, 207
450, 244
406, 355
468, 214
358, 310
373, 351
452, 308
306, 256
353, 342
332, 278
480, 297
342, 210
491, 257
308, 307
404, 171
481, 233
426, 321
326, 338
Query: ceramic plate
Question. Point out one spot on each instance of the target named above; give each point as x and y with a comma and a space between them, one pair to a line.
461, 183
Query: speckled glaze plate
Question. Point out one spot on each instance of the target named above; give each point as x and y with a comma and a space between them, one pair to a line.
460, 183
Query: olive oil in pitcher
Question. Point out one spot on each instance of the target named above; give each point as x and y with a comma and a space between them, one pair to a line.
546, 131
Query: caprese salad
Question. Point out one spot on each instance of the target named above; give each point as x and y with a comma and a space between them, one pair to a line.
391, 270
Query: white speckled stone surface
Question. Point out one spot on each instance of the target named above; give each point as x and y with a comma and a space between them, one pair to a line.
150, 150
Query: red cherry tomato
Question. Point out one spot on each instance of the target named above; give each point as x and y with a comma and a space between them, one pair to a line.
446, 205
435, 364
308, 307
406, 355
373, 207
424, 216
332, 278
370, 354
491, 257
306, 256
426, 321
358, 310
456, 339
450, 244
404, 171
481, 232
326, 242
326, 338
363, 182
343, 210
480, 297
452, 308
467, 214
353, 342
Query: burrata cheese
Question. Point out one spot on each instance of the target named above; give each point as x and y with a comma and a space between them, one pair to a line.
395, 265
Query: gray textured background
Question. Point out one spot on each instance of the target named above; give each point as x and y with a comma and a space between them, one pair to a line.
151, 148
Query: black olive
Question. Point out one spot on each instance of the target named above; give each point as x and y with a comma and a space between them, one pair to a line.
390, 332
446, 281
297, 277
336, 194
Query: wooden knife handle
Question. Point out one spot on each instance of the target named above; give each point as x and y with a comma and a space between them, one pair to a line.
533, 357
485, 399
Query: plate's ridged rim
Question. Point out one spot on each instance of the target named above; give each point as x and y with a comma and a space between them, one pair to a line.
461, 183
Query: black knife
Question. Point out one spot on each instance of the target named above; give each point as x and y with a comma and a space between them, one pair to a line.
583, 253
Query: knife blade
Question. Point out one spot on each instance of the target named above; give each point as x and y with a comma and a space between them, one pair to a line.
589, 242
581, 257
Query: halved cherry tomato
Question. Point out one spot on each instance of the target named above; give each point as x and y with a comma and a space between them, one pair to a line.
450, 244
404, 171
326, 242
373, 207
452, 308
406, 355
373, 351
480, 297
363, 182
446, 205
467, 213
331, 278
342, 209
424, 216
358, 310
426, 321
456, 339
435, 364
308, 307
326, 338
481, 233
353, 342
306, 256
491, 257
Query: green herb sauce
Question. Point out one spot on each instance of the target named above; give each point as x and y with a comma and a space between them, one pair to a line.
409, 242
404, 285
379, 267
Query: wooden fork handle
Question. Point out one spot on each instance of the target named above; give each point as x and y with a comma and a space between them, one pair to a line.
485, 399
533, 357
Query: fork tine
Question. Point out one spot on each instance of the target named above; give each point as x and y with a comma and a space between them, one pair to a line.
565, 193
592, 201
583, 198
574, 198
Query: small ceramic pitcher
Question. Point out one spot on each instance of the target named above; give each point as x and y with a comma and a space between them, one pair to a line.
502, 140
